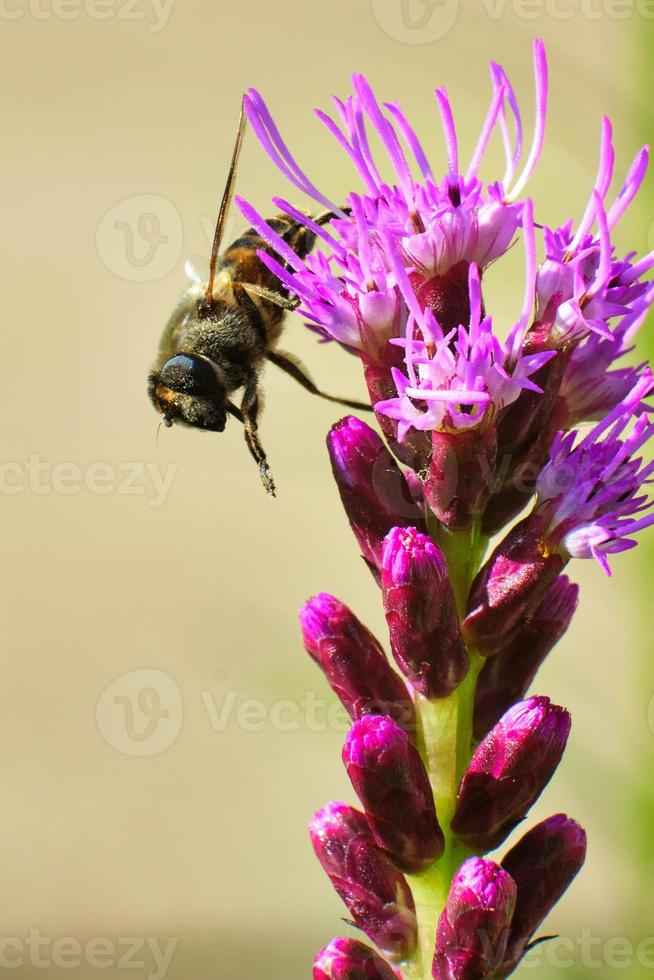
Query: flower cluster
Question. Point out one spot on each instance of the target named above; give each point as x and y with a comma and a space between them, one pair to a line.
447, 753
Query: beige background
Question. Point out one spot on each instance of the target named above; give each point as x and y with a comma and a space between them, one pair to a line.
205, 842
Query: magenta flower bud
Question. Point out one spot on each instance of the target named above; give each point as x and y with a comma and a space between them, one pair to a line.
373, 490
461, 475
509, 771
389, 778
525, 431
473, 929
421, 613
347, 959
353, 662
378, 372
510, 586
542, 864
507, 676
374, 891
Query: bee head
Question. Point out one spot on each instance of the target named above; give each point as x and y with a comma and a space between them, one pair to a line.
188, 390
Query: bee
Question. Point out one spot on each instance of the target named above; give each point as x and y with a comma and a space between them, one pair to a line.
220, 333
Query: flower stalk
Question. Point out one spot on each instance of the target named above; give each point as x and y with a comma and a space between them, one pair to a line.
445, 732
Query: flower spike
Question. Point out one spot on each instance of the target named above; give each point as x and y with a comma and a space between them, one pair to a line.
481, 430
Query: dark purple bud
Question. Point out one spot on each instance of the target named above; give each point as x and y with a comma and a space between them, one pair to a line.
525, 432
461, 475
446, 295
377, 369
509, 771
374, 891
373, 490
347, 959
520, 423
506, 677
390, 779
542, 864
353, 662
473, 929
510, 586
421, 613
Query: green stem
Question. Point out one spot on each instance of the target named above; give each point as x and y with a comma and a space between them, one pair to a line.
463, 552
445, 743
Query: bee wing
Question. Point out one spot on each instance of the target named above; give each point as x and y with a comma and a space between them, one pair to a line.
196, 270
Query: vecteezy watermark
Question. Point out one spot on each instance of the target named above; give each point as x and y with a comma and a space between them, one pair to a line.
415, 21
308, 713
41, 477
427, 21
568, 9
154, 13
98, 953
140, 713
591, 952
140, 238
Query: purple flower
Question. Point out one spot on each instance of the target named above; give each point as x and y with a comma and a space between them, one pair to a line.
462, 378
390, 779
347, 959
374, 891
592, 493
589, 307
590, 388
403, 240
421, 613
581, 286
542, 864
404, 263
374, 492
507, 676
400, 280
473, 929
353, 661
508, 772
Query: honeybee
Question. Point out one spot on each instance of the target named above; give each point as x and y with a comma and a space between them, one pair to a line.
221, 332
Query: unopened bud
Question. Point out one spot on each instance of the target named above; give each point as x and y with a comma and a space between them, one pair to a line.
510, 586
542, 864
390, 779
348, 959
374, 891
473, 929
373, 490
421, 613
508, 772
354, 662
506, 677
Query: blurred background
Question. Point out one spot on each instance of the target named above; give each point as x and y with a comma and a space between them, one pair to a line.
163, 737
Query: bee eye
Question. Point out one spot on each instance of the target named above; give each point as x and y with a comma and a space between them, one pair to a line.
189, 375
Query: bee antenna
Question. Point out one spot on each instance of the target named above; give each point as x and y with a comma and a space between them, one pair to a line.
224, 204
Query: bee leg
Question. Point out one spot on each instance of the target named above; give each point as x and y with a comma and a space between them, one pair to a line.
269, 294
250, 412
293, 367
